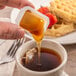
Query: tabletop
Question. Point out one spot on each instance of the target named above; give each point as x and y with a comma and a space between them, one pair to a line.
8, 69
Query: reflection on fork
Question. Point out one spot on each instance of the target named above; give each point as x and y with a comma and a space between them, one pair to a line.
12, 51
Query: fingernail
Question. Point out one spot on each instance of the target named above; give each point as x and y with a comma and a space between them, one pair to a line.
21, 32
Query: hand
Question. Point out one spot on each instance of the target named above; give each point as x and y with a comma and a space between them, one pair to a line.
9, 30
15, 3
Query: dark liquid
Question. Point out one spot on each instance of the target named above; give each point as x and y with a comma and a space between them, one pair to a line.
48, 61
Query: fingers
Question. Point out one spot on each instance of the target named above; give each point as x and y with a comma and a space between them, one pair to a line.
1, 7
16, 3
10, 31
25, 3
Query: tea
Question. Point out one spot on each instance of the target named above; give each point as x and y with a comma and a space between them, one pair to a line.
49, 60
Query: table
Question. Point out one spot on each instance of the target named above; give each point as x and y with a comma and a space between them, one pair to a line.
8, 69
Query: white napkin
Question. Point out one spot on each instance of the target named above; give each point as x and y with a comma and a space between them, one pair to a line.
6, 69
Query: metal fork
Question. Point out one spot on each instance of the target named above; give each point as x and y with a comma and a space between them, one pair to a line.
12, 51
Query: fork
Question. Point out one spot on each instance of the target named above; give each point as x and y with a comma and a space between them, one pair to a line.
9, 56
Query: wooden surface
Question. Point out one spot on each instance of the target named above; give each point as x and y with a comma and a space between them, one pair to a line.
8, 69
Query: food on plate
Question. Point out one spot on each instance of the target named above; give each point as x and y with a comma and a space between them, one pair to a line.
43, 10
60, 30
64, 9
52, 18
65, 12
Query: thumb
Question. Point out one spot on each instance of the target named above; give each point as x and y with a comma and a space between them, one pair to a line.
1, 6
10, 31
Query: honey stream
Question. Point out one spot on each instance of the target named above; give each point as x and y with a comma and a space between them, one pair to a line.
35, 25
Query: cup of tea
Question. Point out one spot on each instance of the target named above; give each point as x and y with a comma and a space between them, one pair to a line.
53, 58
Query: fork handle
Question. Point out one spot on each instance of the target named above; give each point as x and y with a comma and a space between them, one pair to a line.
6, 61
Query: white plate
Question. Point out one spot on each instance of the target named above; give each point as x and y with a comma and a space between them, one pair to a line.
67, 39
